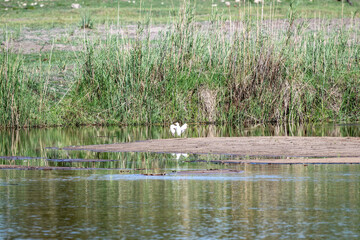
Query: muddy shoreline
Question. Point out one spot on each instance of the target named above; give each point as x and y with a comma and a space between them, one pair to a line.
71, 38
288, 149
241, 150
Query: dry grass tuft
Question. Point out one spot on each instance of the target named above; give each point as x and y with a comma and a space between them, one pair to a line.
208, 102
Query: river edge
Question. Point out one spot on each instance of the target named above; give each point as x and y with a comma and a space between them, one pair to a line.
277, 146
276, 150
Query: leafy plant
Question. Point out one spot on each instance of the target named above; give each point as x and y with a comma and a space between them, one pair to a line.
86, 21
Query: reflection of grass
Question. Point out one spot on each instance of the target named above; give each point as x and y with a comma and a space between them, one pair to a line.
136, 162
33, 143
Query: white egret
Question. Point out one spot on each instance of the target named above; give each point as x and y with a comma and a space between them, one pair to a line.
177, 128
179, 155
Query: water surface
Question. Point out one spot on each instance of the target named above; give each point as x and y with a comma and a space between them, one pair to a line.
121, 200
43, 147
271, 202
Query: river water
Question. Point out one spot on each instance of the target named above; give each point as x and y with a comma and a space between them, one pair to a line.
115, 199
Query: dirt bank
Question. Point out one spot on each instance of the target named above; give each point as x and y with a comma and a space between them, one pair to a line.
330, 149
341, 160
30, 40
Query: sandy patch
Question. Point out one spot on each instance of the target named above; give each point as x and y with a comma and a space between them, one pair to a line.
337, 160
72, 38
328, 149
28, 46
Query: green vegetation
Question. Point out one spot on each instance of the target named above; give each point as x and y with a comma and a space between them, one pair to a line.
86, 21
50, 13
216, 71
21, 97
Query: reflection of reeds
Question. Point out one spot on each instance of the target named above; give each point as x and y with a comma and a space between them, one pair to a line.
47, 143
283, 199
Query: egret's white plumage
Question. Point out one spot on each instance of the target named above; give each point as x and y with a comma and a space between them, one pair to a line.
179, 155
177, 129
172, 129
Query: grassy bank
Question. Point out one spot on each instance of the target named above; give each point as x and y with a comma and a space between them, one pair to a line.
50, 13
218, 71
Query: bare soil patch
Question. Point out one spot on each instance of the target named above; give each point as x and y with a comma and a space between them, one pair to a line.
340, 160
317, 149
72, 38
207, 171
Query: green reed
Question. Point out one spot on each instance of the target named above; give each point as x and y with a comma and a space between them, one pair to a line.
250, 74
18, 104
211, 72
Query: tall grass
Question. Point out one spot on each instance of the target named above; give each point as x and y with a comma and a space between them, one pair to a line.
20, 97
218, 71
248, 72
